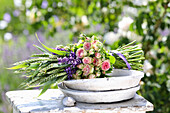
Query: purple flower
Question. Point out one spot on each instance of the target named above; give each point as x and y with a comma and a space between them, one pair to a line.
7, 17
16, 13
56, 18
44, 4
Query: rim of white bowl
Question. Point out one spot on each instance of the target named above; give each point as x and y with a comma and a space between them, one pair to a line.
133, 73
64, 87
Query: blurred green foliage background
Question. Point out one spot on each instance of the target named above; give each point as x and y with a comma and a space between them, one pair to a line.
61, 21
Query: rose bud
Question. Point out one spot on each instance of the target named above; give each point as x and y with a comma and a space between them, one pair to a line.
97, 62
97, 68
87, 46
94, 42
97, 55
91, 69
93, 37
91, 76
87, 60
98, 74
78, 72
76, 77
81, 53
91, 51
106, 65
80, 66
95, 47
87, 38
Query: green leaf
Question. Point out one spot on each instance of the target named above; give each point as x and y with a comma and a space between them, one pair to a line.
58, 52
19, 66
40, 55
62, 78
46, 86
112, 59
34, 66
41, 49
30, 61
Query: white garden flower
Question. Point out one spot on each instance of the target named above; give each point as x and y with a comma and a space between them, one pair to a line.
147, 66
7, 36
125, 23
84, 20
111, 37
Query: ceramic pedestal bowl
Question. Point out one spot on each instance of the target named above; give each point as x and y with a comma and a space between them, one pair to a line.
99, 96
120, 79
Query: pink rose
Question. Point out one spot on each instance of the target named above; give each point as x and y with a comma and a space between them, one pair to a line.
81, 53
87, 60
97, 62
88, 69
91, 76
97, 55
106, 65
87, 46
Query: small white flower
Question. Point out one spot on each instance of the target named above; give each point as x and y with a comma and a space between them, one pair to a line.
111, 37
125, 23
147, 66
84, 20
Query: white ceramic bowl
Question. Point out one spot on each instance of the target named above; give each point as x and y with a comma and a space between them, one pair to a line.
99, 96
120, 79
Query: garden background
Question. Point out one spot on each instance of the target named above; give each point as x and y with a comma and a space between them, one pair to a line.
61, 21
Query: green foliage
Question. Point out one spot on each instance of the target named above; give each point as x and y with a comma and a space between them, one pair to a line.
58, 52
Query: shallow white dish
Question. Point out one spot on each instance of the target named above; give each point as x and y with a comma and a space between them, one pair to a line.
120, 79
99, 96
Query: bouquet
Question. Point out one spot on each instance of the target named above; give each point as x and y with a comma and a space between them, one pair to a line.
87, 59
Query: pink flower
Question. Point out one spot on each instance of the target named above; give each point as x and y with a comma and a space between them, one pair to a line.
91, 76
97, 55
87, 60
106, 65
81, 53
87, 46
80, 66
97, 62
97, 45
88, 69
94, 42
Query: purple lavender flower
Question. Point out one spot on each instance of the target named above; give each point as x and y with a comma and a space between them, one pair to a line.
7, 17
44, 4
71, 59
